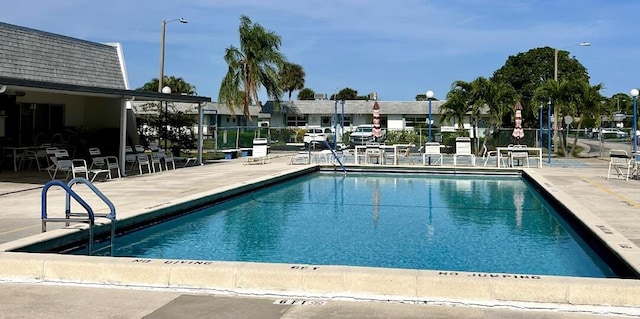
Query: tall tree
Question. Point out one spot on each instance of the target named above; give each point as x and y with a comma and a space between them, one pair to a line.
177, 84
529, 70
252, 66
561, 95
166, 121
457, 104
291, 78
345, 94
497, 98
306, 94
589, 104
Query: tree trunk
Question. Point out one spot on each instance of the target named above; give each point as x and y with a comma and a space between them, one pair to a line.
563, 141
575, 139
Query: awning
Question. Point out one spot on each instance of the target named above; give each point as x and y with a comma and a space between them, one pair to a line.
14, 84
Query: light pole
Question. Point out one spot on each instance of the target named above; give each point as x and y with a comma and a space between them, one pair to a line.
549, 131
634, 130
540, 117
429, 97
166, 90
162, 40
555, 78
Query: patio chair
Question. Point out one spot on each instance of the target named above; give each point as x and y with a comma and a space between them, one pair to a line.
517, 153
620, 160
463, 148
373, 154
112, 164
300, 158
143, 160
406, 153
488, 155
130, 157
260, 150
60, 165
156, 159
431, 149
168, 159
97, 160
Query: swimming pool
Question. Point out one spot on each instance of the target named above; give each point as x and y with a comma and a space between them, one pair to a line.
415, 221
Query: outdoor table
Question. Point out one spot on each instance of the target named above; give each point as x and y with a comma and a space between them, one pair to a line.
23, 150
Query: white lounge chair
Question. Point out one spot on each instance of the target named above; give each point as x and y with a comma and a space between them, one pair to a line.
463, 148
259, 153
431, 149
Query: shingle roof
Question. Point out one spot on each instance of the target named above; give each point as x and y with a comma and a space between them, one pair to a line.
192, 108
355, 107
30, 54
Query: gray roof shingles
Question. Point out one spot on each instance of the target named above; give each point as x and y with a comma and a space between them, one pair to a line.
356, 107
30, 54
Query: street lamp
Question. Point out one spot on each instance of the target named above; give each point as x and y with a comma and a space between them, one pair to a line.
429, 97
166, 90
540, 119
634, 131
555, 78
162, 40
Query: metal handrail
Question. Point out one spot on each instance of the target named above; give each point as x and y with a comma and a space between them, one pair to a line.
335, 155
112, 209
70, 193
88, 217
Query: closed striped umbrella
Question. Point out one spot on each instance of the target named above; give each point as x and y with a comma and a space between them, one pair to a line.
518, 131
377, 131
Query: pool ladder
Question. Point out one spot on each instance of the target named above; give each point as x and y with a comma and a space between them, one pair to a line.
82, 217
333, 152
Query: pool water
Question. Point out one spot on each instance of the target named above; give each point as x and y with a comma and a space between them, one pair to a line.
455, 223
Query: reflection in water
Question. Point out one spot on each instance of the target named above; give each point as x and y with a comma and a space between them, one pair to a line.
430, 227
375, 198
518, 201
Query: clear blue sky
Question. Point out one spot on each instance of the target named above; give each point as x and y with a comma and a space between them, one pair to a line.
395, 48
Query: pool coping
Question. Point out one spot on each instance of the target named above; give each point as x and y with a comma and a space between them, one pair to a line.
331, 281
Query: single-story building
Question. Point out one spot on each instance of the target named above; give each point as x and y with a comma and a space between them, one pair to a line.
54, 86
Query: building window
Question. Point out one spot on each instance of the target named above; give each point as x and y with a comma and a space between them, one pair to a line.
296, 120
326, 121
415, 121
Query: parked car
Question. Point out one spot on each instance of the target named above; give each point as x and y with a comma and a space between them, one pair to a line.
318, 135
613, 133
363, 134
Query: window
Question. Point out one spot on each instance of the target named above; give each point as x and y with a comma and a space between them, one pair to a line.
326, 121
415, 121
296, 120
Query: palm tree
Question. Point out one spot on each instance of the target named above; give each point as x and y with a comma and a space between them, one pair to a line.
251, 67
291, 78
561, 94
457, 104
496, 98
589, 104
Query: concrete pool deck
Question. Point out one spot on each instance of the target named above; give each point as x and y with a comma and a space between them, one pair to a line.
611, 208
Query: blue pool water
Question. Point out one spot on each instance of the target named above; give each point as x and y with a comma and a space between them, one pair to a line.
463, 223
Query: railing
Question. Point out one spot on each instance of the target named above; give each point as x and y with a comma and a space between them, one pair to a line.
79, 217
